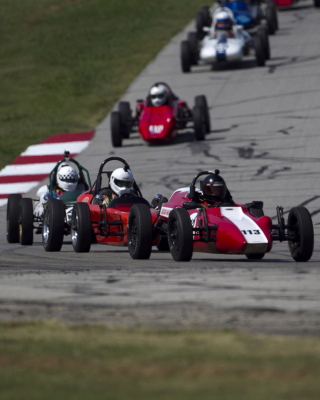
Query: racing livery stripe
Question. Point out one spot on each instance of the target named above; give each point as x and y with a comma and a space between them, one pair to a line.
37, 161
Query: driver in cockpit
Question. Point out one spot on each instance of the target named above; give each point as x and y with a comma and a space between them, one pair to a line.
121, 182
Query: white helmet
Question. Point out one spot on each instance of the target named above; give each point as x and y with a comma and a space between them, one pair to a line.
158, 94
121, 181
223, 21
67, 178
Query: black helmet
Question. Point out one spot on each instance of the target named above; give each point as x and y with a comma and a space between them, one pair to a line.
214, 187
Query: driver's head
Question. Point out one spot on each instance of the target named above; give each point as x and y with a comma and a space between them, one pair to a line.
121, 181
158, 94
214, 187
67, 178
223, 21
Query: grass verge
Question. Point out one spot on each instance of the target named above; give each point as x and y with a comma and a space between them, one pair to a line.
54, 361
64, 63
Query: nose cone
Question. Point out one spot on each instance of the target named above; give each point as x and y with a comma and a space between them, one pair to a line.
157, 124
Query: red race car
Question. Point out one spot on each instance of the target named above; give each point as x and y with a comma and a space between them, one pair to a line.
159, 117
289, 3
208, 220
116, 214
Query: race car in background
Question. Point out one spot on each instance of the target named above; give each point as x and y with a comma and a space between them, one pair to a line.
160, 117
224, 42
194, 225
50, 214
290, 3
249, 14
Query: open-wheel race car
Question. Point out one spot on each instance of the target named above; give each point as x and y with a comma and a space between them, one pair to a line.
49, 214
113, 212
159, 117
208, 220
224, 42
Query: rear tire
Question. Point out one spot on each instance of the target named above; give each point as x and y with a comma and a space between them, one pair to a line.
271, 20
301, 247
263, 32
200, 23
185, 56
202, 102
206, 16
257, 256
139, 232
81, 232
53, 225
13, 218
180, 235
125, 116
26, 222
199, 123
317, 3
115, 124
258, 45
193, 47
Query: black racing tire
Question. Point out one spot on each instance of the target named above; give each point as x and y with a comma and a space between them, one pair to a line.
317, 3
301, 231
258, 46
202, 102
115, 125
81, 232
200, 23
193, 47
199, 122
257, 256
180, 235
263, 32
13, 214
125, 116
53, 225
206, 16
163, 244
185, 56
26, 222
271, 20
139, 232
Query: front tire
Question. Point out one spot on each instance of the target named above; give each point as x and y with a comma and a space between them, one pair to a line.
263, 32
125, 116
301, 232
53, 225
201, 101
81, 228
180, 235
199, 122
139, 232
185, 55
26, 222
115, 125
258, 45
13, 218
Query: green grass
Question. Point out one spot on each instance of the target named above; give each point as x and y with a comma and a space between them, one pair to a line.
64, 63
54, 361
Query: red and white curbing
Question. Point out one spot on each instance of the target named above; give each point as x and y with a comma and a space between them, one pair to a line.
35, 164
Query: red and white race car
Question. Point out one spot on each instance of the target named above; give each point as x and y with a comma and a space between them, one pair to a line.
289, 3
225, 227
159, 117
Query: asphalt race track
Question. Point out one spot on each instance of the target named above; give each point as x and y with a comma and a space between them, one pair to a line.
265, 141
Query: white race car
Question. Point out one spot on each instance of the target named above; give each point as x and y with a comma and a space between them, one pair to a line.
224, 42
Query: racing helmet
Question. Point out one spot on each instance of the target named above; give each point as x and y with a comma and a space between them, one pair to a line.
67, 178
158, 94
223, 21
214, 187
121, 181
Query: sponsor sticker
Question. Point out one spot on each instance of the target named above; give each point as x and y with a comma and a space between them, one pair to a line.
155, 129
85, 200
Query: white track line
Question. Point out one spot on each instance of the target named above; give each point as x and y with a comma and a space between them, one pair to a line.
55, 148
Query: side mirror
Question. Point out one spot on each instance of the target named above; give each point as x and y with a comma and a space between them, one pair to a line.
192, 205
258, 205
139, 101
158, 200
99, 199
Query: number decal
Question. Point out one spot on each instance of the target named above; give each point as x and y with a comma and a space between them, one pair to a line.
254, 232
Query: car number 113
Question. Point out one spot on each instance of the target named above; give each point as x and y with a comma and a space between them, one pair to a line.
253, 232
